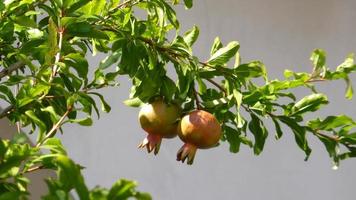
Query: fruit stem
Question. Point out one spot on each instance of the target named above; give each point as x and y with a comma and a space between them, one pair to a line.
197, 102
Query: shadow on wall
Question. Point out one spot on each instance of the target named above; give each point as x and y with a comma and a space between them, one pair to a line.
37, 187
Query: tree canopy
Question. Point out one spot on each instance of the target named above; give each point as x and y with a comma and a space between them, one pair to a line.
45, 81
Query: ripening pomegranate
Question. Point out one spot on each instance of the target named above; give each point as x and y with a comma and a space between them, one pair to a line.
159, 120
198, 129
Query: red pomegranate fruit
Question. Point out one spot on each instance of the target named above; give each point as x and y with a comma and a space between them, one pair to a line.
159, 120
198, 129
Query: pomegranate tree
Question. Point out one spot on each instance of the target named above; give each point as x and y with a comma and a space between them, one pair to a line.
198, 129
159, 120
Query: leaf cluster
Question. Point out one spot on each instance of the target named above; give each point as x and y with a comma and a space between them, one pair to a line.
46, 81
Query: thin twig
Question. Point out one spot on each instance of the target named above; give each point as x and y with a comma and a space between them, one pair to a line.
247, 108
177, 55
119, 6
271, 114
56, 126
6, 112
53, 96
33, 169
315, 80
58, 55
217, 85
197, 102
124, 4
335, 138
18, 122
11, 68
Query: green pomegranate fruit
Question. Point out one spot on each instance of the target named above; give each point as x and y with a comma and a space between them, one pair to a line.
159, 120
198, 129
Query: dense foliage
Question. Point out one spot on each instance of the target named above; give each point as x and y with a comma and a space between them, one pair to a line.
45, 82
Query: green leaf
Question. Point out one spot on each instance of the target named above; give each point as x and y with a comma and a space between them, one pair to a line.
348, 139
318, 59
125, 189
11, 195
135, 102
52, 42
309, 103
148, 85
331, 122
71, 100
238, 97
349, 89
168, 87
351, 154
109, 60
201, 86
65, 3
104, 105
180, 45
78, 4
55, 145
237, 60
84, 29
34, 33
331, 147
132, 54
122, 189
251, 70
252, 97
2, 6
69, 173
20, 138
38, 122
39, 89
223, 55
299, 133
232, 136
99, 193
97, 7
84, 122
25, 21
188, 3
3, 148
171, 15
88, 103
184, 84
260, 133
191, 36
175, 2
14, 155
279, 131
348, 65
8, 94
79, 63
216, 46
52, 112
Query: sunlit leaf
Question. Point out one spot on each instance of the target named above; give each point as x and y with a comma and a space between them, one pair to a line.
309, 103
223, 55
191, 36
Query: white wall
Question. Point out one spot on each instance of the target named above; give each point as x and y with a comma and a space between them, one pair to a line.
281, 33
